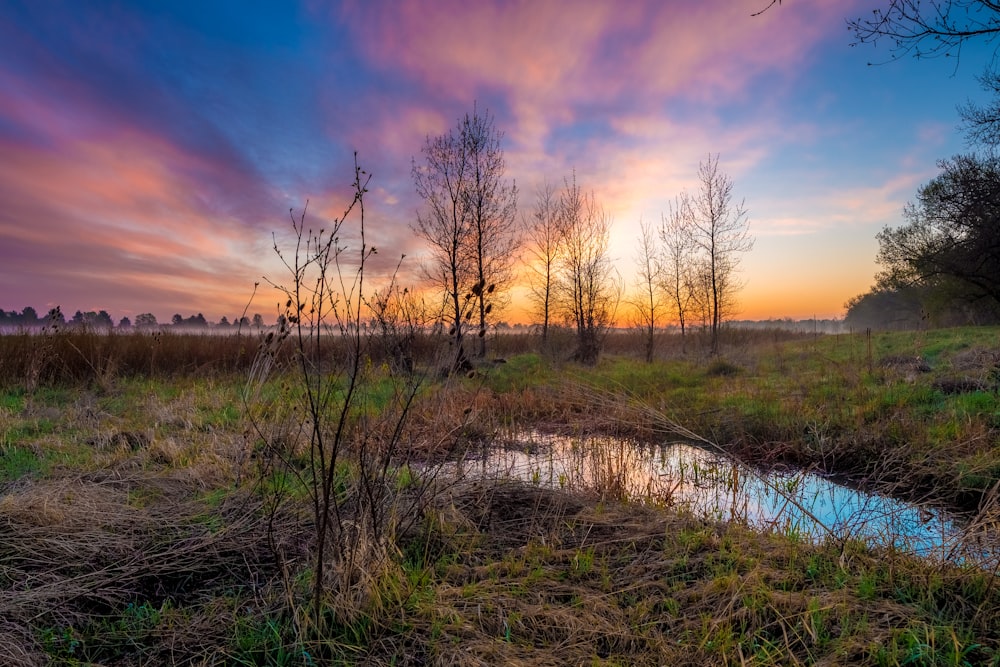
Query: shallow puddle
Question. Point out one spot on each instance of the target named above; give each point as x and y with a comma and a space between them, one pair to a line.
714, 486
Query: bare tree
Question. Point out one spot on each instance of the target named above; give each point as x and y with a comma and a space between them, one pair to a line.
648, 304
492, 206
677, 265
396, 317
442, 182
721, 231
543, 238
589, 287
982, 122
700, 290
940, 28
468, 223
924, 28
317, 426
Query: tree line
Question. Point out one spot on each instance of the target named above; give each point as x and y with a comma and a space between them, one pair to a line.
28, 318
475, 241
942, 265
687, 266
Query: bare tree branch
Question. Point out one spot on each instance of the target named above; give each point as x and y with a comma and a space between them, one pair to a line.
928, 28
588, 285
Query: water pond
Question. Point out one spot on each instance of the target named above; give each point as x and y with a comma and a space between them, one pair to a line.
714, 486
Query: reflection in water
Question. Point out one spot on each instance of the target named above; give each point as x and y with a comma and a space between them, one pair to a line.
714, 486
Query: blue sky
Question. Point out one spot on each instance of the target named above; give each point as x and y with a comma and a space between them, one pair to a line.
150, 149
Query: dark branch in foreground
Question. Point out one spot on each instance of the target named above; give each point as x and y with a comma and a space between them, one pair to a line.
935, 29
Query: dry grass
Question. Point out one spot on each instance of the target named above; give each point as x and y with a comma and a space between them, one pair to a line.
133, 517
76, 550
498, 573
542, 577
143, 536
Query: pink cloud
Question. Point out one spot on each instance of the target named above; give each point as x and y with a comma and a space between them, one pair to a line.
528, 46
126, 210
550, 60
552, 64
633, 95
874, 205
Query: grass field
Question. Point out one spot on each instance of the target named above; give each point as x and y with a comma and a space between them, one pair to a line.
157, 506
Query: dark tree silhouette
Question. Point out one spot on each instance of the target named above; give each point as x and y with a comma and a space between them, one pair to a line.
467, 223
647, 303
543, 238
145, 321
952, 231
588, 286
678, 262
720, 230
492, 202
928, 28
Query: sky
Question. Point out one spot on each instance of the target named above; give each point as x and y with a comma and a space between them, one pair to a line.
150, 152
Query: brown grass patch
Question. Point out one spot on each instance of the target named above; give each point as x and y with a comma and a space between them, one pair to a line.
545, 577
74, 549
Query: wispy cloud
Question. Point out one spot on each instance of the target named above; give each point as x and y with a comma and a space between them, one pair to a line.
148, 155
128, 206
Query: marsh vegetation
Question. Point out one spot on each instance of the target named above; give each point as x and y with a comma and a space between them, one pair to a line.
146, 520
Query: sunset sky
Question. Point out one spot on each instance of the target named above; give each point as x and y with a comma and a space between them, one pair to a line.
148, 150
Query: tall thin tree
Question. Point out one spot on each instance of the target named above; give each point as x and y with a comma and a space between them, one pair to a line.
442, 182
492, 207
720, 228
468, 223
588, 284
648, 303
543, 238
677, 261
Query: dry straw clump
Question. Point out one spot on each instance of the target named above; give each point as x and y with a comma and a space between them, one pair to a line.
77, 549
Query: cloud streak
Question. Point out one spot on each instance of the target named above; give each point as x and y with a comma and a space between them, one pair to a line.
149, 154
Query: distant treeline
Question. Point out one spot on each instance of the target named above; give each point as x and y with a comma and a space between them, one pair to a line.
917, 306
826, 326
28, 318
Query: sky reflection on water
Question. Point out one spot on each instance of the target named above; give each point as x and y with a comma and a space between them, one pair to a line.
713, 486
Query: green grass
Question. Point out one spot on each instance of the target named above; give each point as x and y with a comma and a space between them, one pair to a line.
266, 641
17, 462
12, 401
765, 402
165, 547
519, 373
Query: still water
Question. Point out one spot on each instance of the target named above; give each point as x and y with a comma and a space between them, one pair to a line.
714, 486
